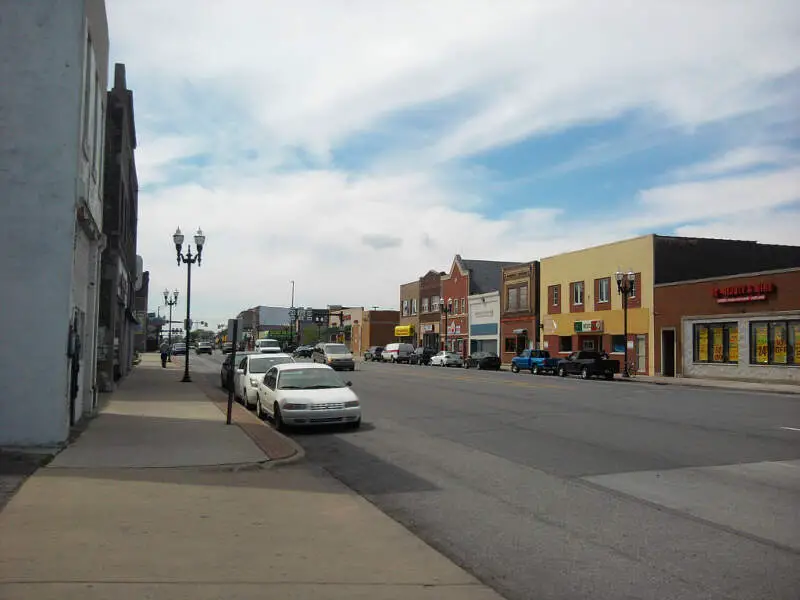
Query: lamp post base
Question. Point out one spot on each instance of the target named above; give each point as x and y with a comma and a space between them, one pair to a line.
186, 379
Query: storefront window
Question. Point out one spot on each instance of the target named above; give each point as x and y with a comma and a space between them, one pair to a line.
775, 343
716, 343
511, 344
565, 343
618, 343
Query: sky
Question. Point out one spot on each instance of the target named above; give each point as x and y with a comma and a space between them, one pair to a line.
351, 146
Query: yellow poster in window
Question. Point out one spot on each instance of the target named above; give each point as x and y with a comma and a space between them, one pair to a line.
796, 343
762, 344
702, 345
733, 344
716, 340
779, 355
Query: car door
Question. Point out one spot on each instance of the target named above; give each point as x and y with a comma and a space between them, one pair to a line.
239, 376
267, 389
572, 365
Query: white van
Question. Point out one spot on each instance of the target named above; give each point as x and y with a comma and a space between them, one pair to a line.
397, 352
268, 345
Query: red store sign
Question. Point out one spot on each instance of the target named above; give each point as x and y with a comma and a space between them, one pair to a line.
743, 293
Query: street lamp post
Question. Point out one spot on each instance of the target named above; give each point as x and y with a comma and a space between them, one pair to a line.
170, 302
293, 314
625, 282
446, 309
188, 259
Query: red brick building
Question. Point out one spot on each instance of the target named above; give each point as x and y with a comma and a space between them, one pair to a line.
519, 309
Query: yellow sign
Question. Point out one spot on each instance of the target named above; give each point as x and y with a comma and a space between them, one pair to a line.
796, 344
762, 344
716, 336
780, 343
702, 350
404, 330
733, 344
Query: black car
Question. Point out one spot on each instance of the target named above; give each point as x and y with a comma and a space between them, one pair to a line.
373, 353
485, 361
421, 356
303, 351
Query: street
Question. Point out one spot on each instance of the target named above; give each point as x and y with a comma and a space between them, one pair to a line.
545, 487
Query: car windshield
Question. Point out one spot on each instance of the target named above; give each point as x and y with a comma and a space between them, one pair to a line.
336, 349
269, 344
262, 364
309, 379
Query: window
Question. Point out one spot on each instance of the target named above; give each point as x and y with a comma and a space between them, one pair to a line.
716, 343
556, 299
511, 344
523, 297
413, 306
463, 305
775, 342
633, 288
565, 343
512, 298
405, 308
604, 290
435, 303
618, 344
577, 293
424, 305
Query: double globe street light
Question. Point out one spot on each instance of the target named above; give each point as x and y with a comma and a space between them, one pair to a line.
170, 302
188, 259
625, 287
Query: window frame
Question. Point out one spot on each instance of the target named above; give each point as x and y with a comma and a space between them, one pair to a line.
709, 326
576, 286
561, 345
556, 301
791, 331
600, 285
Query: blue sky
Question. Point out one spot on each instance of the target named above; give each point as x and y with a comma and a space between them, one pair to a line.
322, 141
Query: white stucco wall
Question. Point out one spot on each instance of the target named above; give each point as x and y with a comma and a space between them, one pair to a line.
41, 67
743, 370
484, 310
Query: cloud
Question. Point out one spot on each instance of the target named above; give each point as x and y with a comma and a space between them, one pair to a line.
250, 115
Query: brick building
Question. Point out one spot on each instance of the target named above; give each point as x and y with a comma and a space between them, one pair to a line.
409, 314
375, 328
519, 316
430, 291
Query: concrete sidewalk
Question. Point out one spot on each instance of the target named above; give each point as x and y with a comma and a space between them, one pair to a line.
747, 386
152, 502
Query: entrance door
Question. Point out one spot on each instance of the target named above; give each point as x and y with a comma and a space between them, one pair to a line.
668, 352
641, 353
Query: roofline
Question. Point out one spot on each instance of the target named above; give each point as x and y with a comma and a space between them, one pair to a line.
606, 245
735, 276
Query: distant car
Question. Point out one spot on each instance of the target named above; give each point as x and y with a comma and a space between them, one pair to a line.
373, 353
303, 351
336, 356
397, 352
537, 361
227, 348
421, 356
307, 394
267, 345
204, 348
178, 349
447, 359
485, 361
588, 364
250, 371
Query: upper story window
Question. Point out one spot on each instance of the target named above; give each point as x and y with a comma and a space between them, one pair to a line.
556, 299
435, 303
577, 293
424, 305
405, 308
413, 306
604, 289
463, 305
633, 289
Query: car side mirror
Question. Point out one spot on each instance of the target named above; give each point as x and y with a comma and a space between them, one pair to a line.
349, 384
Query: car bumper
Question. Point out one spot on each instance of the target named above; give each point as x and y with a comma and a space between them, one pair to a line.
322, 417
342, 364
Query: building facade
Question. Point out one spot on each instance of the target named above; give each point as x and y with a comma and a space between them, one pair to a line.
54, 70
376, 328
120, 223
409, 314
430, 292
745, 327
484, 322
581, 308
145, 334
519, 319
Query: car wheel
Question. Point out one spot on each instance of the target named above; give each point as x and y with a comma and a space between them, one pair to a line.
278, 418
585, 373
355, 424
535, 370
562, 372
514, 368
609, 376
259, 411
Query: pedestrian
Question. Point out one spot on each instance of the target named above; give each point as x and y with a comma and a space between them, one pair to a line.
164, 353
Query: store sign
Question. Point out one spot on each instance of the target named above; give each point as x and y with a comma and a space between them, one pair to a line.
595, 326
404, 330
427, 328
454, 328
743, 293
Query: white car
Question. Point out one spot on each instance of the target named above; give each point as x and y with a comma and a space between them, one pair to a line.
268, 346
447, 359
307, 394
250, 372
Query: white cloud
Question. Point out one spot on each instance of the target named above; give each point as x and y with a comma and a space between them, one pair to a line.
279, 81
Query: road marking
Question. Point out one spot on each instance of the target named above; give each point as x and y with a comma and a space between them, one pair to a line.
791, 428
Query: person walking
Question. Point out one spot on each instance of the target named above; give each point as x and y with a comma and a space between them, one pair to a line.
164, 353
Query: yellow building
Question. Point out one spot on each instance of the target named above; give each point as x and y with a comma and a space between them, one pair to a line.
581, 308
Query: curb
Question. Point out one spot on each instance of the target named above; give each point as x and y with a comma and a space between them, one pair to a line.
701, 386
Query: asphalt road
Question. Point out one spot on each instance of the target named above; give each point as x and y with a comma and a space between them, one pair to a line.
561, 488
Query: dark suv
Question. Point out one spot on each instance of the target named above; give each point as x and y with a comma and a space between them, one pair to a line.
373, 353
421, 356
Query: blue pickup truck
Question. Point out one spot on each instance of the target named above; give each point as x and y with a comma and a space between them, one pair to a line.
535, 361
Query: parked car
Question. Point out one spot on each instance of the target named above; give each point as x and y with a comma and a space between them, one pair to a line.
204, 348
307, 394
536, 361
303, 351
373, 353
267, 345
250, 372
397, 352
227, 348
225, 370
588, 364
336, 356
485, 361
421, 356
447, 359
178, 349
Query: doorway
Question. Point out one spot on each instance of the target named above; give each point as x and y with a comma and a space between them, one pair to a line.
641, 354
668, 352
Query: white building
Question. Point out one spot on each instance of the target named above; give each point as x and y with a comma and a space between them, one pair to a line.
484, 322
52, 102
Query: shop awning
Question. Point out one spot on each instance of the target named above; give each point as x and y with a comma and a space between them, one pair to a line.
404, 330
520, 332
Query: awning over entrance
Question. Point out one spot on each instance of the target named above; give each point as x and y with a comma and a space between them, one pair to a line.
520, 332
